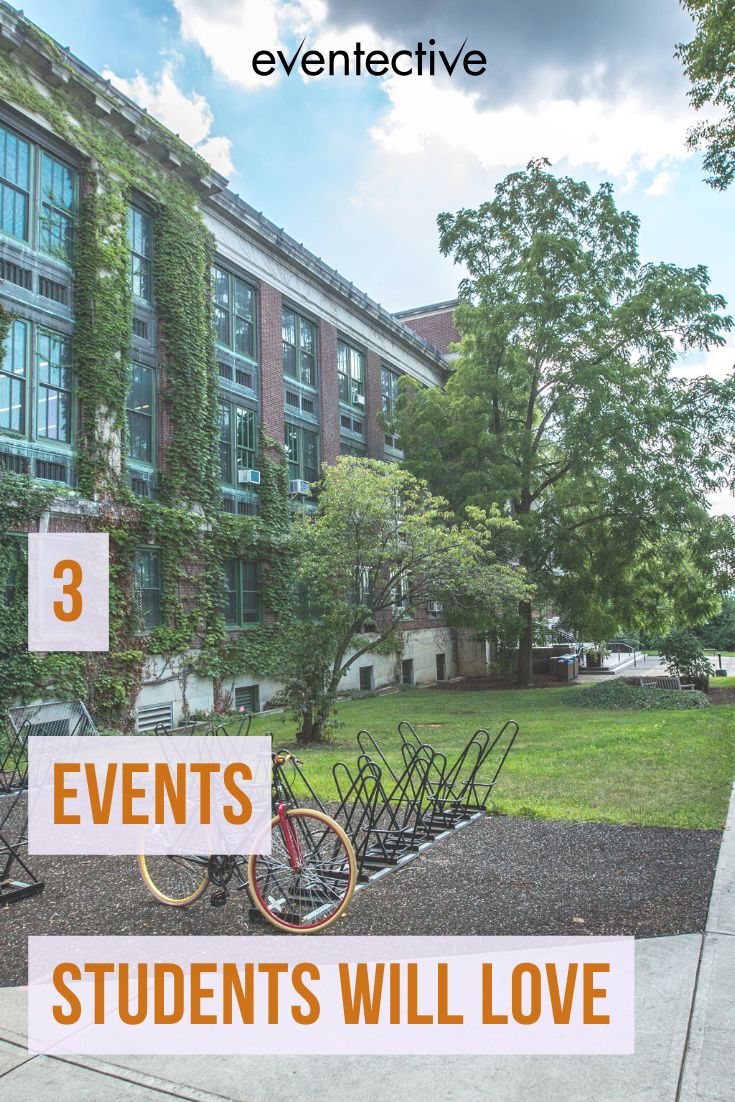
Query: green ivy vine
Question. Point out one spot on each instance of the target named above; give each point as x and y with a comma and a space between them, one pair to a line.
186, 523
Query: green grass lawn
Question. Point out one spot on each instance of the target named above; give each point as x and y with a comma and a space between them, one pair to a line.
656, 768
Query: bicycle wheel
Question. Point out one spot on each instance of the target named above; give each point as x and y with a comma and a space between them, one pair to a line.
311, 897
175, 881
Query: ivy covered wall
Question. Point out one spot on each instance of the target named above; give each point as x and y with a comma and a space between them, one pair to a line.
186, 522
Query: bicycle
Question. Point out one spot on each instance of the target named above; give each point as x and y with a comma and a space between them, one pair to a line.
302, 886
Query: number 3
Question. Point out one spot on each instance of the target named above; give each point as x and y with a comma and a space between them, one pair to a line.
69, 589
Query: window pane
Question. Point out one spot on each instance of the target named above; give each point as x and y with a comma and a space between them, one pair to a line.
13, 212
307, 337
243, 337
221, 288
54, 386
250, 574
57, 205
148, 585
222, 325
292, 450
245, 437
311, 456
12, 378
225, 442
289, 361
358, 370
243, 300
15, 159
229, 597
308, 370
140, 413
289, 327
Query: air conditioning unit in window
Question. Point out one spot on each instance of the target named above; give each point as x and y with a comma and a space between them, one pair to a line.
434, 606
358, 399
299, 486
248, 477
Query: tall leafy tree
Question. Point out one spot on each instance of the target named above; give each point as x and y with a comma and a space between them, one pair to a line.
379, 547
709, 62
561, 408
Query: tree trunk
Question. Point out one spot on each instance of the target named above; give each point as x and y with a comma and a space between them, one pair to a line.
524, 673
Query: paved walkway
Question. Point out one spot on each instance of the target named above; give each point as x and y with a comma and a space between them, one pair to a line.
652, 666
685, 1040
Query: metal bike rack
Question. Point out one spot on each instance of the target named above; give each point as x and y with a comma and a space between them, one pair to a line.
392, 812
52, 718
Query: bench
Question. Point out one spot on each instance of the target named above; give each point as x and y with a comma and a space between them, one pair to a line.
663, 682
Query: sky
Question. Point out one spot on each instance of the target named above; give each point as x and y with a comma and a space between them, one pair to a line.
358, 168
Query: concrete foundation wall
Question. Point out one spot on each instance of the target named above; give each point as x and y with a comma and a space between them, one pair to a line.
165, 684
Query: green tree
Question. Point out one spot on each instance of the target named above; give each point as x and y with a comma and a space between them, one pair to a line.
380, 546
719, 633
709, 62
561, 409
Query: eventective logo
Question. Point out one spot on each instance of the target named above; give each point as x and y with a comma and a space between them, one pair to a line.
422, 61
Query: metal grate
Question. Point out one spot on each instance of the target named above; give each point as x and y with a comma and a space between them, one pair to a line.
248, 697
143, 483
242, 506
20, 464
243, 378
150, 716
14, 273
225, 372
53, 471
49, 288
140, 328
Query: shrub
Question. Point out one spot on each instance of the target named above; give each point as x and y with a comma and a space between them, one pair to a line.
685, 658
616, 696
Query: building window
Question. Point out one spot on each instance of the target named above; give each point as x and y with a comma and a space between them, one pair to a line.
141, 405
37, 196
56, 213
238, 440
13, 379
302, 452
50, 377
367, 680
389, 390
351, 367
350, 447
243, 598
141, 249
53, 380
247, 697
299, 348
15, 184
234, 313
148, 585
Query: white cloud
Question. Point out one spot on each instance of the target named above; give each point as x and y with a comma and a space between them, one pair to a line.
231, 32
660, 184
188, 116
718, 362
620, 138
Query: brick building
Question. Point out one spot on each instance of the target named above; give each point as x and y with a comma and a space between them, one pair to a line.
433, 323
300, 355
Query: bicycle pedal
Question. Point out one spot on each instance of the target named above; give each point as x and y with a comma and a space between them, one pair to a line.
218, 899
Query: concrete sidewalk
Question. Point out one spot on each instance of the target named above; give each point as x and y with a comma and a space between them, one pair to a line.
685, 1040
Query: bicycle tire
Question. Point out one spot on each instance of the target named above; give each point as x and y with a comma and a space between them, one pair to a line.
326, 883
156, 875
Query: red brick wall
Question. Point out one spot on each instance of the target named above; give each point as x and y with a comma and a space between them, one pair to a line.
271, 361
328, 392
438, 329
